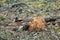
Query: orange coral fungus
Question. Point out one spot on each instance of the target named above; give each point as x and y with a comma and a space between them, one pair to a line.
37, 23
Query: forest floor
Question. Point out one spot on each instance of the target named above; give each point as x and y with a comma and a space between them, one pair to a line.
7, 16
